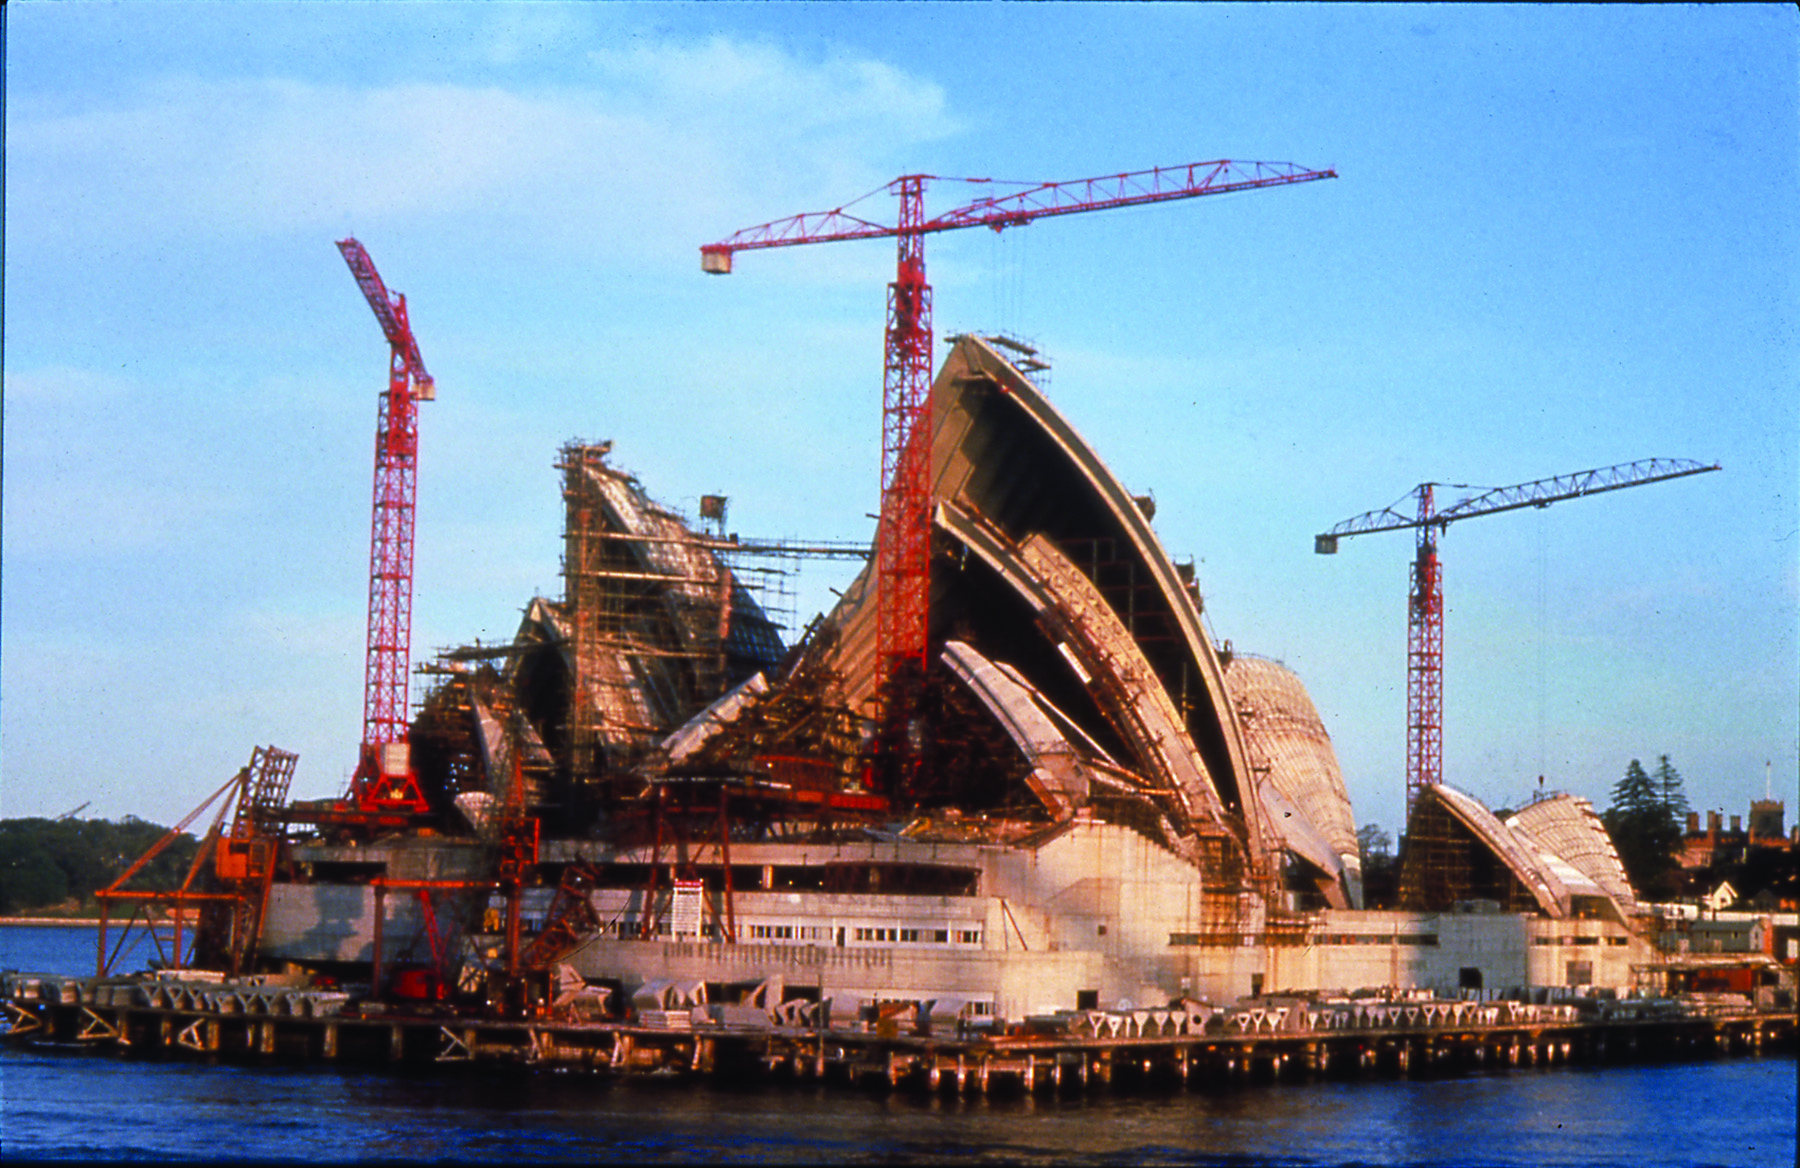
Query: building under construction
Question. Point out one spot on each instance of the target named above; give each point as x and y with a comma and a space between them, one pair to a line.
1086, 801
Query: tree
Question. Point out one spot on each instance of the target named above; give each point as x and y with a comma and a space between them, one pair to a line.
1373, 844
1645, 831
1379, 871
1668, 783
46, 863
29, 876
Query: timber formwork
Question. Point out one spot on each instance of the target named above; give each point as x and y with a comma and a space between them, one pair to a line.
1193, 1044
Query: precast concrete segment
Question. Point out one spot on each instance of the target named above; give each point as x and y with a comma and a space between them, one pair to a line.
1143, 709
1058, 776
708, 722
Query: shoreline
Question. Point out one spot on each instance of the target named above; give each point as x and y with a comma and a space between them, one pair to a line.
70, 922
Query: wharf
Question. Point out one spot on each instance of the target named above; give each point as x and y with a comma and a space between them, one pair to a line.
253, 1018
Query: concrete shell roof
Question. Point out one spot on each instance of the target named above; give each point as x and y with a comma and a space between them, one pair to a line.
1515, 849
1002, 451
1006, 459
1059, 776
1096, 646
1567, 827
1286, 735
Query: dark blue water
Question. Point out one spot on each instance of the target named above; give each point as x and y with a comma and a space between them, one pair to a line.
108, 1107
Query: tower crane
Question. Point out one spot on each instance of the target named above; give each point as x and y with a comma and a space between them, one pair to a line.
904, 529
1425, 605
384, 779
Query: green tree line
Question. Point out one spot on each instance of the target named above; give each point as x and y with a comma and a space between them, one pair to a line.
1646, 825
55, 866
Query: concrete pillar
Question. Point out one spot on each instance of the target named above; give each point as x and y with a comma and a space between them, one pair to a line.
396, 1042
328, 1041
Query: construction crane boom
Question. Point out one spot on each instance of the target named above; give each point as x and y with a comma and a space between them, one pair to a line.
903, 535
1158, 184
384, 779
1425, 602
1537, 493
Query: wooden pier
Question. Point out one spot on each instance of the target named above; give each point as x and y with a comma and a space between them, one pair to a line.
1193, 1043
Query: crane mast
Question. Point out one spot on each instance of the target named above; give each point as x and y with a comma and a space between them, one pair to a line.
384, 777
903, 534
1425, 601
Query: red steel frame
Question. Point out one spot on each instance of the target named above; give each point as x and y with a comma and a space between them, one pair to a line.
903, 545
1425, 660
903, 540
385, 673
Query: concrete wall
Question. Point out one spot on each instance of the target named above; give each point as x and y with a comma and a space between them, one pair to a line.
1092, 916
1447, 952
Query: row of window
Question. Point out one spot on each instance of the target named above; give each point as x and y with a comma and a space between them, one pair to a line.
881, 935
1577, 940
1428, 940
629, 927
789, 933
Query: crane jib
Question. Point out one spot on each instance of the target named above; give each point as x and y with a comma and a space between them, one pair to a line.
1537, 493
1156, 185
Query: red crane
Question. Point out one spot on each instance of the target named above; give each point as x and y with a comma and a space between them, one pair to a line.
1425, 605
384, 779
904, 532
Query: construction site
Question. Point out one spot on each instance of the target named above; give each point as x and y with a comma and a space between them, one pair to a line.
1009, 808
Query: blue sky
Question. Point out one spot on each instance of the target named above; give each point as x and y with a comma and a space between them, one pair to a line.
1562, 238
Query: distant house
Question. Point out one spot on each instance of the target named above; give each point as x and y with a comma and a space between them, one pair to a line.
1720, 898
1735, 934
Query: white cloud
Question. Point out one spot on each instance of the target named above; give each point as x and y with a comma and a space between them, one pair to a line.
664, 138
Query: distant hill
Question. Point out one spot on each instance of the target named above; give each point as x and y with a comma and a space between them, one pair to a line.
52, 867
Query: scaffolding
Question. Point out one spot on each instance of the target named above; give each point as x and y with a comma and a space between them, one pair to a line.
649, 611
663, 616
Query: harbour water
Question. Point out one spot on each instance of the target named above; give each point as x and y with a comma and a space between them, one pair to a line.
64, 1104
